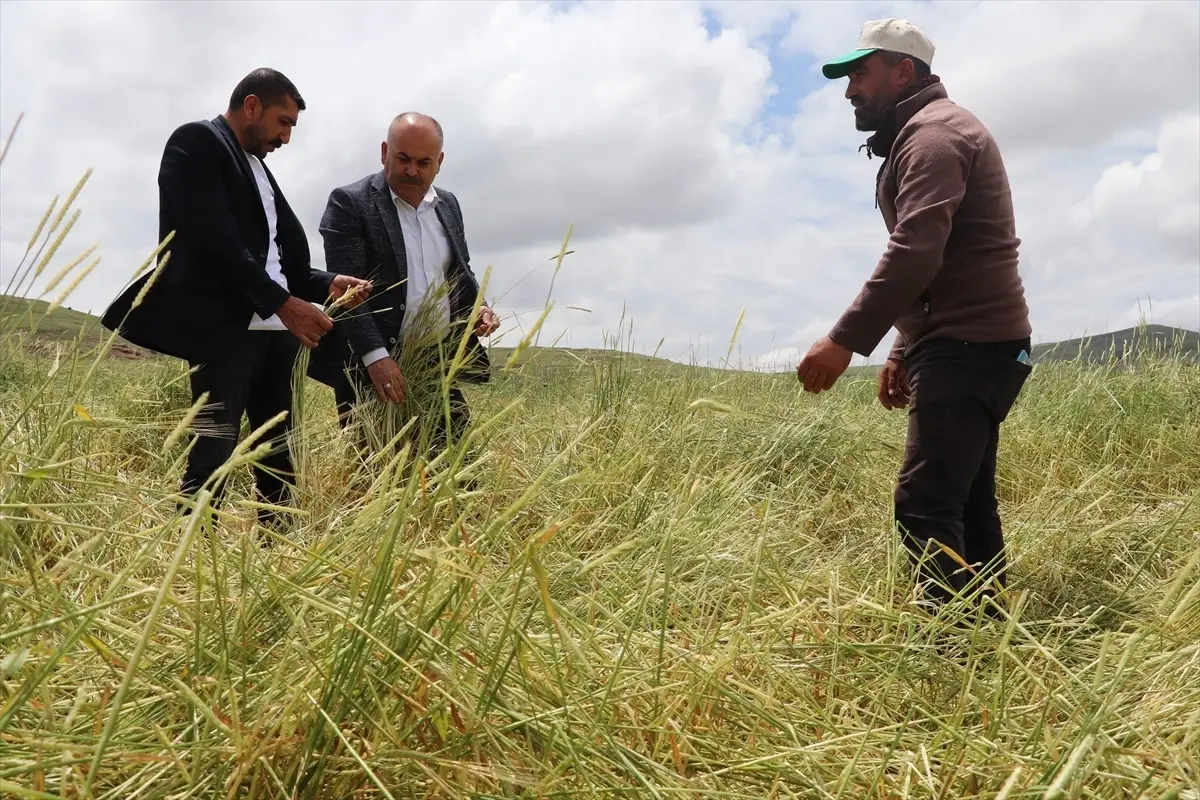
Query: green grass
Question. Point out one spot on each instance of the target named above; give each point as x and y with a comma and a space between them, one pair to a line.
59, 323
671, 582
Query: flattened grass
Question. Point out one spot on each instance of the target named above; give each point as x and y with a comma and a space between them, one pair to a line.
671, 582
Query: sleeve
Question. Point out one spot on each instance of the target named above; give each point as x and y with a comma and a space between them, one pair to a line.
346, 254
931, 169
374, 355
897, 351
190, 179
316, 285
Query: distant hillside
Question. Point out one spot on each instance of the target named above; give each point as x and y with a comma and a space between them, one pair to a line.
567, 357
66, 323
1123, 345
63, 324
30, 318
30, 314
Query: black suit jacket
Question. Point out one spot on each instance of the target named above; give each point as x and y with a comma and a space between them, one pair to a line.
215, 279
363, 237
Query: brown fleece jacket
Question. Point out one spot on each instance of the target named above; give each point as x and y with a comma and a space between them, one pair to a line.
950, 268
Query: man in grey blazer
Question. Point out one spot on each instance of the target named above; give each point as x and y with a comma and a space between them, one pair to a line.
395, 229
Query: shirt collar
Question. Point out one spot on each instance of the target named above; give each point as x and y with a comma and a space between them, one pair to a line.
430, 199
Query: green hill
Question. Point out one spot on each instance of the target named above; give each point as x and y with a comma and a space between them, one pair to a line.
1123, 345
41, 327
31, 317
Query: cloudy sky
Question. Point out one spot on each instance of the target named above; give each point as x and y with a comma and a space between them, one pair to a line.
706, 166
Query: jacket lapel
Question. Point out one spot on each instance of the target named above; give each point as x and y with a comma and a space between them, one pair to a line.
391, 224
289, 233
238, 155
453, 235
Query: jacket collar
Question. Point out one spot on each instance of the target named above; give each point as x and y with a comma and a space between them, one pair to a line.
385, 203
223, 129
897, 116
222, 125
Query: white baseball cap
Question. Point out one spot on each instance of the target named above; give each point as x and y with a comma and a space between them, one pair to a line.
896, 35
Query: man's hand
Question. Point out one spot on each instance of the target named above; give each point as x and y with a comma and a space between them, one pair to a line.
488, 322
307, 322
824, 364
894, 391
350, 291
389, 382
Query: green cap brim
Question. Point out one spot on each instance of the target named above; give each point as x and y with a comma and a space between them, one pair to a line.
841, 67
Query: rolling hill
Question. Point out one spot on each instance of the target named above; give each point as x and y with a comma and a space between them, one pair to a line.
30, 317
1121, 345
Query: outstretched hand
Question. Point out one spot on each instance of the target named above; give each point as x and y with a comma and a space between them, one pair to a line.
488, 321
824, 364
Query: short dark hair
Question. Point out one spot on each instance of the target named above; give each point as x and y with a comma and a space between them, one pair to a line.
268, 85
892, 58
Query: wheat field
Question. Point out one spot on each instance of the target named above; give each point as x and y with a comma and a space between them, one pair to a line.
667, 582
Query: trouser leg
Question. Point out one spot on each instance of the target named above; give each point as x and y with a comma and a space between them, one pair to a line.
425, 402
459, 420
353, 388
947, 439
982, 530
226, 380
271, 393
946, 492
345, 398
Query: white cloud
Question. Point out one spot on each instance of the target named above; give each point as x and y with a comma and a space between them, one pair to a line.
1179, 312
1135, 234
642, 124
1156, 199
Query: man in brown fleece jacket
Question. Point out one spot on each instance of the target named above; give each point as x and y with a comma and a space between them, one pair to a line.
948, 282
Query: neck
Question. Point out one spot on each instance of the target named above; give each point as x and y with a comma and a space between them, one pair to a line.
880, 143
239, 130
410, 195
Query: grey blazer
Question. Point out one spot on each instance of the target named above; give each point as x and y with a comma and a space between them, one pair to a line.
363, 238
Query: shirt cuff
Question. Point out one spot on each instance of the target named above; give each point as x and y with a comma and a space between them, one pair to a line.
374, 355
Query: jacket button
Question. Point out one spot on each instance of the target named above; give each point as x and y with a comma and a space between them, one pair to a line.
392, 340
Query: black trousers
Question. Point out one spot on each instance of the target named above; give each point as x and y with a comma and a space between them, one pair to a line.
255, 381
358, 387
946, 492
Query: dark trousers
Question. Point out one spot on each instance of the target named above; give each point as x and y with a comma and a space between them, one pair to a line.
961, 393
255, 380
357, 387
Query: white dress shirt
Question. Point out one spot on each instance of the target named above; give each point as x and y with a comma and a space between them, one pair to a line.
427, 252
274, 266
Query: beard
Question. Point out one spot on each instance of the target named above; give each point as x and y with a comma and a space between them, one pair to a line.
868, 116
260, 146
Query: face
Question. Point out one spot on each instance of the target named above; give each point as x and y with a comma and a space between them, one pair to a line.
269, 128
873, 87
412, 157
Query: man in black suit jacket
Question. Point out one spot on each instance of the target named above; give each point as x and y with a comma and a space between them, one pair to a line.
233, 291
400, 232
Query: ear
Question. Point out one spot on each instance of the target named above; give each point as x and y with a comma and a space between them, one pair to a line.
252, 106
441, 156
383, 152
